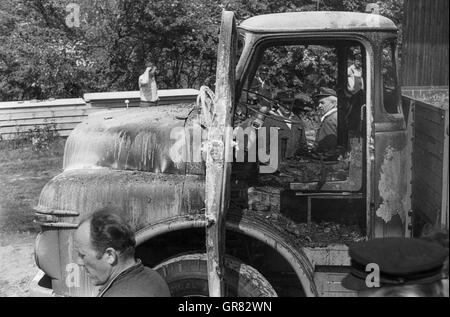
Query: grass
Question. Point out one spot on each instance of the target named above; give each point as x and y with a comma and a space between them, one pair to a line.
23, 173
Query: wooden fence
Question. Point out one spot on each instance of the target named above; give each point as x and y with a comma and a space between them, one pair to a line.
18, 117
430, 119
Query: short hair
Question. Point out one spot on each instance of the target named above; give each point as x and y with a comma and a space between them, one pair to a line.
109, 230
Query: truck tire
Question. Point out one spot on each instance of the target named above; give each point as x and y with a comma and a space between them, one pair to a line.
186, 276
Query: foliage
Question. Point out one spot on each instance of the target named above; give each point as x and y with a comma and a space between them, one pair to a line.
41, 57
42, 136
181, 44
301, 68
39, 138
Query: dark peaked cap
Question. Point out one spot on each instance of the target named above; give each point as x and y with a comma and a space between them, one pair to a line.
401, 261
325, 92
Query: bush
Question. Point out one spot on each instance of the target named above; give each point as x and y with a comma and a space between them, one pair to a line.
40, 137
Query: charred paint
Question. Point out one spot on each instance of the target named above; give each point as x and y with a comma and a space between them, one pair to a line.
312, 21
392, 185
217, 170
145, 198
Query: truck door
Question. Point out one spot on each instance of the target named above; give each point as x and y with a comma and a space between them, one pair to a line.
218, 150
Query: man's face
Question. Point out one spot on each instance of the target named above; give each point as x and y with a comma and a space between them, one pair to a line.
98, 269
358, 63
264, 73
326, 104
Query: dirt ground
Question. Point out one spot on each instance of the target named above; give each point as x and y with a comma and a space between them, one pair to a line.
17, 265
23, 174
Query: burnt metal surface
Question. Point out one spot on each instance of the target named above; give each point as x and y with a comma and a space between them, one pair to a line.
249, 224
218, 169
145, 198
392, 177
345, 175
158, 203
256, 225
303, 235
317, 21
129, 139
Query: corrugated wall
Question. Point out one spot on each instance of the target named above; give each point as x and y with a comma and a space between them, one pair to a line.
425, 58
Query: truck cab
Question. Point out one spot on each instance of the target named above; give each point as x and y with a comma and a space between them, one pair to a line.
291, 204
301, 51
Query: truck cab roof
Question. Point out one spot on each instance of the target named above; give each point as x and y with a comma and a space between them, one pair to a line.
317, 21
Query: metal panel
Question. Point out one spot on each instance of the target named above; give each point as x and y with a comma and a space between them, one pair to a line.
329, 284
445, 174
218, 168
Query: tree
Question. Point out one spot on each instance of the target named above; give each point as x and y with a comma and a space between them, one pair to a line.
42, 57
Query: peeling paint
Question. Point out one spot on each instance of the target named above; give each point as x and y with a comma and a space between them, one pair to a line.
372, 149
391, 187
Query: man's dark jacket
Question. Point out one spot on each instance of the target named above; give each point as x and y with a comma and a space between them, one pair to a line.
327, 135
136, 281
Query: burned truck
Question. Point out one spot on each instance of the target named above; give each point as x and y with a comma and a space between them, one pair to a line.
259, 225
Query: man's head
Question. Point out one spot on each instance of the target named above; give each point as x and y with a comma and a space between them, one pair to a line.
263, 73
150, 67
327, 103
357, 60
103, 241
327, 99
403, 267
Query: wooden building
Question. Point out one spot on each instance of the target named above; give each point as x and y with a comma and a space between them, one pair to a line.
424, 76
425, 59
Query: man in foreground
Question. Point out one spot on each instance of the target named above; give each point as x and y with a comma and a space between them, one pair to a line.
106, 244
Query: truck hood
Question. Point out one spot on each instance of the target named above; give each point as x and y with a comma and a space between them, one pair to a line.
130, 139
143, 197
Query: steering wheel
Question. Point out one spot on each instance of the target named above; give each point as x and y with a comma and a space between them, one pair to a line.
274, 105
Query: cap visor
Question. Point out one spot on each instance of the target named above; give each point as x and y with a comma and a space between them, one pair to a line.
354, 283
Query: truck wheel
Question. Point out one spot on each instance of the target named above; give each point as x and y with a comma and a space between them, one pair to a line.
186, 276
